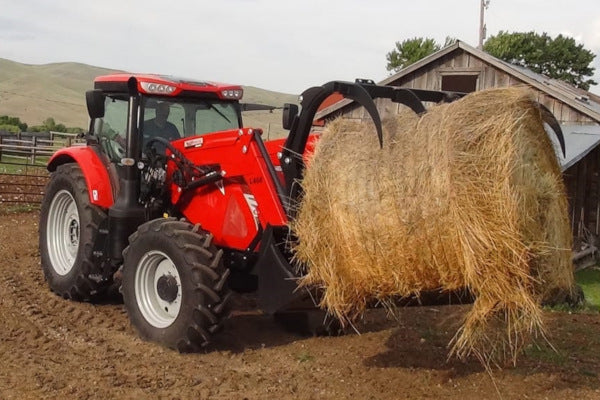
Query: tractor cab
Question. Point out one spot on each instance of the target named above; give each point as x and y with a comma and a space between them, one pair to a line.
159, 106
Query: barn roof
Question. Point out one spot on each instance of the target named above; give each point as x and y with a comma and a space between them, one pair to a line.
582, 101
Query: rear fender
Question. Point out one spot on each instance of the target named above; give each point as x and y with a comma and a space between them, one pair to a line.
94, 170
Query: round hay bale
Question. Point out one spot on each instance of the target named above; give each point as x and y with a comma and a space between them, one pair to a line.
469, 195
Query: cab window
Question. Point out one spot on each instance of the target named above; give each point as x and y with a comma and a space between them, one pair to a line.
112, 128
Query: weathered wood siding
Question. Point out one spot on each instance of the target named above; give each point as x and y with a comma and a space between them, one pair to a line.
582, 182
461, 62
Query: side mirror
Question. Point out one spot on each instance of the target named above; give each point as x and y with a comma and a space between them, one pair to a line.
290, 112
95, 103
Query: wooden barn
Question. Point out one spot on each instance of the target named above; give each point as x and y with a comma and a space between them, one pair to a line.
463, 68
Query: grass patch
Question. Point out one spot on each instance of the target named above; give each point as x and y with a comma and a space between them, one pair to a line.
546, 354
304, 356
589, 280
20, 165
18, 208
11, 168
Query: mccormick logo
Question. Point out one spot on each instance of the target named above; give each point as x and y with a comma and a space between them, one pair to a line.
197, 142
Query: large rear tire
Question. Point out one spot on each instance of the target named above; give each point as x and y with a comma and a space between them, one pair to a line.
174, 284
69, 225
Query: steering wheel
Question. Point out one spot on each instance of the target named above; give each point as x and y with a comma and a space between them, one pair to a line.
154, 157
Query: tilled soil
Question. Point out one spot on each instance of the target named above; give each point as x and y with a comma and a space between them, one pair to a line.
19, 188
55, 348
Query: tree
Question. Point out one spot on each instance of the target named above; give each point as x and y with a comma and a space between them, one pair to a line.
49, 124
14, 122
412, 50
560, 58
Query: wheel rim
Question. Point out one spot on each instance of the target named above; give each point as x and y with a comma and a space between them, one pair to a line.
157, 289
63, 232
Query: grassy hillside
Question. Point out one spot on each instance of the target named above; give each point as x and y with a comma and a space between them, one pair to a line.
36, 92
270, 122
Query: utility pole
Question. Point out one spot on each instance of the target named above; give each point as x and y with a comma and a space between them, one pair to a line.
484, 4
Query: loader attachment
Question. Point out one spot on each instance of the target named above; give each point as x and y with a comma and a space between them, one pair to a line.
277, 281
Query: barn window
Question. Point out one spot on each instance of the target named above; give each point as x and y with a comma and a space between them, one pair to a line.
460, 83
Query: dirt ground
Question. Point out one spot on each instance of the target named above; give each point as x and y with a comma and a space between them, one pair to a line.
54, 348
18, 188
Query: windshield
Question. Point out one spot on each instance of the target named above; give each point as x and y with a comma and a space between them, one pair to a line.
162, 117
176, 118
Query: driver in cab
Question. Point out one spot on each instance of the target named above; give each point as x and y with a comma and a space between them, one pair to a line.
160, 127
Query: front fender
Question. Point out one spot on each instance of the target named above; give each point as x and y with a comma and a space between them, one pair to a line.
94, 170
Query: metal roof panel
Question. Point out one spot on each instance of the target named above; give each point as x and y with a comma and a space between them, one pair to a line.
579, 141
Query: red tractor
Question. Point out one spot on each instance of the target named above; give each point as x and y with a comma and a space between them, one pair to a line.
171, 190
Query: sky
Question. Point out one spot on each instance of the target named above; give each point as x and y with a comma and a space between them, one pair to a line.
285, 45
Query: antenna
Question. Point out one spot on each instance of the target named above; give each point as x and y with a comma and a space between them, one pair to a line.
484, 4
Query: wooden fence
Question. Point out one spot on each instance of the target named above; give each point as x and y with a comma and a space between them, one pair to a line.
23, 157
35, 149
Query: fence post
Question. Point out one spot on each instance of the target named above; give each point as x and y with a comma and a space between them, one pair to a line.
1, 137
33, 148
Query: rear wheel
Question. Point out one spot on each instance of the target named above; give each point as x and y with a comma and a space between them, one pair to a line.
69, 224
174, 284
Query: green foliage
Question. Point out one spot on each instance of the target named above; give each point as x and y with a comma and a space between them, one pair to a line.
545, 353
409, 51
9, 128
74, 130
12, 124
49, 124
412, 50
589, 280
560, 57
18, 208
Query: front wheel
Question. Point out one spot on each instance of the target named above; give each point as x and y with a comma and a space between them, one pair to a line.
69, 225
174, 284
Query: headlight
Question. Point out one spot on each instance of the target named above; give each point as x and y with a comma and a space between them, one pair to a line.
157, 88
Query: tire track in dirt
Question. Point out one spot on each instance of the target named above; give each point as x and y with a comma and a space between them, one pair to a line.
75, 326
61, 319
45, 336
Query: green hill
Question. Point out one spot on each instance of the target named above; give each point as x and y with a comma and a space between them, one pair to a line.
36, 92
